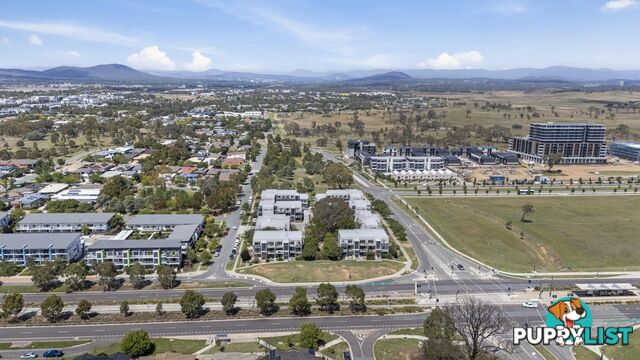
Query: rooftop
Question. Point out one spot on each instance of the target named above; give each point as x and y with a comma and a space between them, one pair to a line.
260, 236
17, 241
363, 233
67, 218
135, 244
165, 219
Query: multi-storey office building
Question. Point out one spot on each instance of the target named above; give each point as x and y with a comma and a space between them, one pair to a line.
357, 243
122, 253
629, 150
65, 222
578, 143
20, 248
277, 244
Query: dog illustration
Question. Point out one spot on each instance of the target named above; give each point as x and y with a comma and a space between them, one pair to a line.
568, 312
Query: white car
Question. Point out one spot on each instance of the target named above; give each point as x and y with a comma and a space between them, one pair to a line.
29, 355
216, 254
530, 305
234, 227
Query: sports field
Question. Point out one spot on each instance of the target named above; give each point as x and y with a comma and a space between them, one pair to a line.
596, 233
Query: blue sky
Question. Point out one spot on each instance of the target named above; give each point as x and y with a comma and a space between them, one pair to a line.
327, 35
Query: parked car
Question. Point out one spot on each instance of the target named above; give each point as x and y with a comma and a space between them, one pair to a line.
52, 354
29, 355
232, 255
226, 233
460, 267
530, 305
216, 254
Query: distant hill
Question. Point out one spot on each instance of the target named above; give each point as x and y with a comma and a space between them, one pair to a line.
379, 77
99, 73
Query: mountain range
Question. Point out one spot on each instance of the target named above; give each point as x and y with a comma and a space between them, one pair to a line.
117, 73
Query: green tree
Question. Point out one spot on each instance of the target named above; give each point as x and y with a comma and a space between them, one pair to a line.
526, 210
85, 230
51, 308
552, 159
191, 304
76, 274
439, 330
12, 305
205, 257
83, 309
244, 255
356, 298
337, 175
159, 309
327, 297
107, 273
228, 302
329, 215
310, 336
298, 303
136, 343
166, 276
266, 301
43, 276
115, 187
330, 248
192, 256
136, 275
124, 308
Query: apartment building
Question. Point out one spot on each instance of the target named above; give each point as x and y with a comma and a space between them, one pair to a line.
277, 244
65, 222
122, 253
357, 147
161, 222
273, 222
629, 150
355, 198
20, 248
578, 143
388, 164
356, 243
368, 220
284, 202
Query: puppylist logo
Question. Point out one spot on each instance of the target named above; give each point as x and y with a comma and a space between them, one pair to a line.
569, 322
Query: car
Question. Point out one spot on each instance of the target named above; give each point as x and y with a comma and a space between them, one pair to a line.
234, 227
241, 212
530, 305
460, 267
231, 256
219, 247
29, 355
53, 354
216, 254
226, 233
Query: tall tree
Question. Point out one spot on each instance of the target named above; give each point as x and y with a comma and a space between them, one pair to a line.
338, 175
12, 305
166, 276
327, 297
266, 301
51, 308
136, 275
526, 210
76, 274
228, 302
310, 336
439, 330
83, 309
191, 304
356, 298
552, 160
107, 273
136, 343
478, 322
298, 303
43, 276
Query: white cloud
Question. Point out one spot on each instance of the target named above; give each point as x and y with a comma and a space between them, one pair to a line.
72, 31
510, 8
613, 5
4, 41
198, 62
72, 53
446, 61
151, 58
35, 40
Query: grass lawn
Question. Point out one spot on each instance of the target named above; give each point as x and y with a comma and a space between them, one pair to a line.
582, 353
162, 345
618, 173
322, 270
564, 233
287, 342
336, 352
546, 354
408, 331
45, 344
396, 349
242, 347
627, 352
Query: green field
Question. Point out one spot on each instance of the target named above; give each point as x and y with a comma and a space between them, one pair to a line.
162, 345
626, 352
564, 233
323, 270
336, 352
396, 349
287, 342
241, 347
45, 344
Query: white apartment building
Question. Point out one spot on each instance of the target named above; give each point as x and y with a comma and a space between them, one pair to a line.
123, 253
21, 248
387, 164
356, 243
273, 222
283, 202
355, 198
277, 244
65, 222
